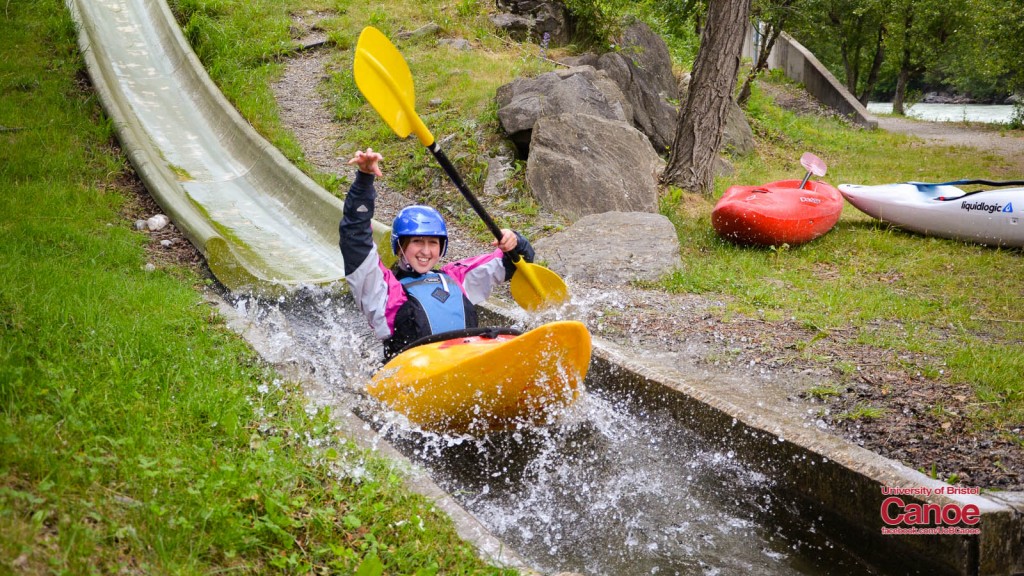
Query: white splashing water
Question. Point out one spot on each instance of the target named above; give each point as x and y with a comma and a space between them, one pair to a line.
605, 490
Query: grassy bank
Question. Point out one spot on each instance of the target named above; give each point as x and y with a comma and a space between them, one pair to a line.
949, 304
138, 434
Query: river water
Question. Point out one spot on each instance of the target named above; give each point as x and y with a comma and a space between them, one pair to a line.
615, 487
988, 113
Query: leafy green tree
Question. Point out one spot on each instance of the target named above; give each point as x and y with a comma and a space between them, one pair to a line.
846, 36
909, 64
987, 61
923, 32
895, 47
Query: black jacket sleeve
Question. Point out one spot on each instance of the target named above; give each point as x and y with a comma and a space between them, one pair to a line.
355, 230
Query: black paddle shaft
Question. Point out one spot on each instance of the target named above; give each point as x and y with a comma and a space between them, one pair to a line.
449, 169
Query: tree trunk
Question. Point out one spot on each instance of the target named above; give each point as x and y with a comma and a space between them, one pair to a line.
903, 78
900, 95
699, 128
876, 66
849, 47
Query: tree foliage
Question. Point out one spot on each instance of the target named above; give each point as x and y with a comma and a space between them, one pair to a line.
990, 43
848, 37
598, 22
921, 34
770, 18
880, 49
897, 48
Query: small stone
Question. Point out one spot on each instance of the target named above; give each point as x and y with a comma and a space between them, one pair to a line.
140, 224
166, 243
149, 267
157, 222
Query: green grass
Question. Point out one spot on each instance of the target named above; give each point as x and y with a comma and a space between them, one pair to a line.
862, 412
137, 433
825, 392
242, 45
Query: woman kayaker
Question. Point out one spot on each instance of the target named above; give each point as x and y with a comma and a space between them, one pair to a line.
415, 298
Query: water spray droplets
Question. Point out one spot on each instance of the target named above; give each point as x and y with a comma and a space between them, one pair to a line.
608, 485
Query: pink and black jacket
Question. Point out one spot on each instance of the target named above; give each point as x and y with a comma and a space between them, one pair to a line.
396, 317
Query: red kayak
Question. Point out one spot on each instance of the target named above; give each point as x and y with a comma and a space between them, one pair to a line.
784, 212
777, 213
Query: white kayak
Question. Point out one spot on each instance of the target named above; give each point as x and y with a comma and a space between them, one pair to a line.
994, 217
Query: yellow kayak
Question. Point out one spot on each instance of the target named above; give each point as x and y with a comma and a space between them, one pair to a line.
490, 382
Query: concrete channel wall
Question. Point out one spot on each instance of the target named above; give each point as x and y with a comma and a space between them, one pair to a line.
831, 477
799, 65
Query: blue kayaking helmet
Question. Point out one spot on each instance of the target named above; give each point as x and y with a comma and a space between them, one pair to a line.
418, 221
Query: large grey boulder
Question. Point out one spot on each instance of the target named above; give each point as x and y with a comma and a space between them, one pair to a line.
582, 90
581, 164
642, 67
737, 136
613, 248
585, 59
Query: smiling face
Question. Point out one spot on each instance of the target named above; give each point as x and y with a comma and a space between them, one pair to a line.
421, 252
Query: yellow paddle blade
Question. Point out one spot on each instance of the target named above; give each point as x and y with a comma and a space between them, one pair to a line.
383, 77
535, 287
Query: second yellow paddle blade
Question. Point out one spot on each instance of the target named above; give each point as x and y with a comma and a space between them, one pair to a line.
535, 287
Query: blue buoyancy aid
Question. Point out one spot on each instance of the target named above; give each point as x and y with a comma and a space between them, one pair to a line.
441, 300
